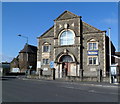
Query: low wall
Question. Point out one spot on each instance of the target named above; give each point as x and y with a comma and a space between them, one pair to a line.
74, 78
44, 77
69, 78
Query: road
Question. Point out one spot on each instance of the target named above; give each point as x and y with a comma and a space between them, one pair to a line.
26, 90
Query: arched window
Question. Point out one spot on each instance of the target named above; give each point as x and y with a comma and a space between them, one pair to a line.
66, 58
92, 44
46, 47
67, 38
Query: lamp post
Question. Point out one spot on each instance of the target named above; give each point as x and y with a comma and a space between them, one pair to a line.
26, 47
24, 37
109, 55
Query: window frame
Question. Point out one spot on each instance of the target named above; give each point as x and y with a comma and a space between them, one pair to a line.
67, 38
92, 48
45, 60
45, 45
88, 62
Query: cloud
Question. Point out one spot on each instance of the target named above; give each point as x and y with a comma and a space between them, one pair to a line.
110, 21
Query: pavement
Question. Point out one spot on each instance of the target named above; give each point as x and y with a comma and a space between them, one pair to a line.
92, 83
97, 84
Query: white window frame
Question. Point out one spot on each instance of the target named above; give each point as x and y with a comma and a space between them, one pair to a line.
59, 37
45, 44
45, 61
92, 60
92, 45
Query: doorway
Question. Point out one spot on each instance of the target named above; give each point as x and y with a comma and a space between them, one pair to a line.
65, 65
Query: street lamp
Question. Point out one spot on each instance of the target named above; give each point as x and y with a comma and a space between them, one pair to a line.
24, 37
26, 48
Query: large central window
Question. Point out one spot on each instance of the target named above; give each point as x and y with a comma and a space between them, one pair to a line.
67, 38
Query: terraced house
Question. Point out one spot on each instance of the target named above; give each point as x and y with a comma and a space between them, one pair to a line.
75, 47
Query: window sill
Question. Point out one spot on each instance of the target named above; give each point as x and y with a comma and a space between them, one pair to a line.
92, 64
45, 52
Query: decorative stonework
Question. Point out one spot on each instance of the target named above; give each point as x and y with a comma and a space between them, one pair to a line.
72, 24
65, 51
65, 25
60, 26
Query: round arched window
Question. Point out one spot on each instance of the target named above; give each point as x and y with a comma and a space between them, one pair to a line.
67, 38
66, 58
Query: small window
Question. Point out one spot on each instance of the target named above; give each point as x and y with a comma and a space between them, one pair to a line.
92, 60
45, 61
46, 48
92, 46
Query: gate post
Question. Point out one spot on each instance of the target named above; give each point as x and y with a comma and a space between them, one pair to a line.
81, 74
53, 73
40, 73
99, 75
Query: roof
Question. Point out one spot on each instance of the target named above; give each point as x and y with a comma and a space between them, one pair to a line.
88, 28
67, 15
15, 59
117, 54
48, 33
29, 49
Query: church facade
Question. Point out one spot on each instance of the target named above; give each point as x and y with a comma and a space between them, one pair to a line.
75, 48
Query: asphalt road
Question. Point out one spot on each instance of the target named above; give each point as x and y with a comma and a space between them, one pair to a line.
25, 90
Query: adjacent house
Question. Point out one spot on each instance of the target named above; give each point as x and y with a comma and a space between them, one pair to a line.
27, 59
14, 63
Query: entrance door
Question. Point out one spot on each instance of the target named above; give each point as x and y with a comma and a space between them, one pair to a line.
66, 61
65, 69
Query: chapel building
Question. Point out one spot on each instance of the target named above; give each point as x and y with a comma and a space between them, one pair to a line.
75, 47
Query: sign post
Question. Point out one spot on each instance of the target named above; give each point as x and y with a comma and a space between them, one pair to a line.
53, 69
30, 69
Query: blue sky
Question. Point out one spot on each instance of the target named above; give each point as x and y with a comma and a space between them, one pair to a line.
34, 18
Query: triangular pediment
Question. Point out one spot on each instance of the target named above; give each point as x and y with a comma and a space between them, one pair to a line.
66, 15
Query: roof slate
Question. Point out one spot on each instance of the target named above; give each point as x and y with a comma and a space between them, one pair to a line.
88, 28
29, 49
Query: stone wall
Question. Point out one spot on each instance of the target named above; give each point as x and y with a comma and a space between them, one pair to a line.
91, 70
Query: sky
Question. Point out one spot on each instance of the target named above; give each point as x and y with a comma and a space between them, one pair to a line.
32, 19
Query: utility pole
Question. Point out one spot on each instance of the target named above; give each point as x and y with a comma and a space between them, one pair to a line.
109, 55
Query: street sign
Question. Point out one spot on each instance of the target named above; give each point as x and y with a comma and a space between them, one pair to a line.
30, 67
52, 64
